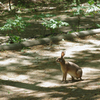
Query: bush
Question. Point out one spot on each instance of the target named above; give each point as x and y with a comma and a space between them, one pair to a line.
11, 25
53, 24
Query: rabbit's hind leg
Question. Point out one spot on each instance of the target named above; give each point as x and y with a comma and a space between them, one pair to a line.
73, 78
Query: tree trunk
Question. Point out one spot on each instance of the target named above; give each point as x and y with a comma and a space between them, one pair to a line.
9, 5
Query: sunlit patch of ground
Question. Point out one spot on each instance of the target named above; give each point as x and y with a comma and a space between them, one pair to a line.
33, 74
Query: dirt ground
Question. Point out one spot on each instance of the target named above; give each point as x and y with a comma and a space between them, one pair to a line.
33, 74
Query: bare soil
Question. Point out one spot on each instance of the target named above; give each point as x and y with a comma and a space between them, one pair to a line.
33, 74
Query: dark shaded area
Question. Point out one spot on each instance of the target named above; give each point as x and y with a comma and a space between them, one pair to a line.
85, 58
47, 64
36, 30
44, 41
62, 92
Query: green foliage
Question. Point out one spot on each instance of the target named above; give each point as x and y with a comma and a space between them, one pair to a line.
14, 39
40, 16
18, 24
79, 11
92, 9
53, 24
91, 2
98, 25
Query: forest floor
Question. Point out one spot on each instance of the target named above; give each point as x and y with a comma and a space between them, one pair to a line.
34, 74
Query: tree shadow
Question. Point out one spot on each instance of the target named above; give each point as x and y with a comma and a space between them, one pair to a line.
41, 75
44, 75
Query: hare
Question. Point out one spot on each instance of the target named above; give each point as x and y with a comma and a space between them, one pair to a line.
68, 67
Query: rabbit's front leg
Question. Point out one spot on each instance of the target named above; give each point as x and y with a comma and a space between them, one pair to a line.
64, 77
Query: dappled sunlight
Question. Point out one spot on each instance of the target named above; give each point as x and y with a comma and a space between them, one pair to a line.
48, 84
14, 77
34, 73
87, 72
25, 62
90, 70
94, 61
13, 58
8, 61
95, 42
70, 47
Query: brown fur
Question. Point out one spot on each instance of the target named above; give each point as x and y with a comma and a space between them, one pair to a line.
68, 67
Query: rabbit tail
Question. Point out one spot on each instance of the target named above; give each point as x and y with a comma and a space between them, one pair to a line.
79, 74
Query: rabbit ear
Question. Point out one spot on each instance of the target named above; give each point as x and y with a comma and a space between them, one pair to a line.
62, 54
